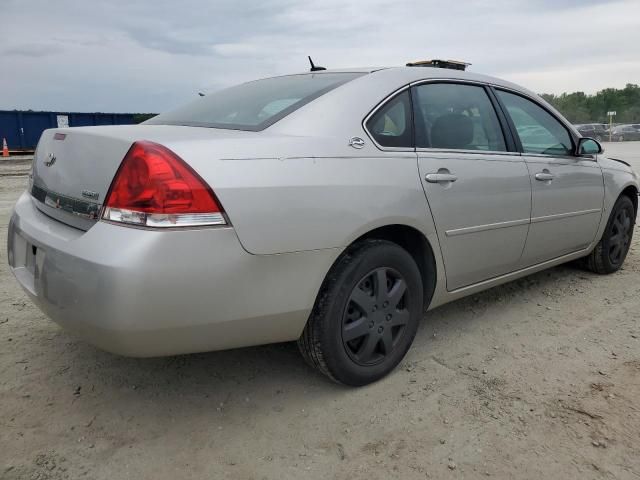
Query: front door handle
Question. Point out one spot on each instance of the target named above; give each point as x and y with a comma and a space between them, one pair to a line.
544, 176
440, 177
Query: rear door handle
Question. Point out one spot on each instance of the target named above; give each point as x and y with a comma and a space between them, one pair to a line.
440, 177
544, 176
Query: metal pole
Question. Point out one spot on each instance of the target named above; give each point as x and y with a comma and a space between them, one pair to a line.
610, 126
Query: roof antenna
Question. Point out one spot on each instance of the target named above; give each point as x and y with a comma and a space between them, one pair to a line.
201, 94
313, 67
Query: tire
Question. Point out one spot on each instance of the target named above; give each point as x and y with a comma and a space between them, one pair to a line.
355, 334
611, 251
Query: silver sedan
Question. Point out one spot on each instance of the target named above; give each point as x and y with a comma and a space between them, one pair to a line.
329, 207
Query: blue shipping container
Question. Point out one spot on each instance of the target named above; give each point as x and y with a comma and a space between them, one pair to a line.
22, 129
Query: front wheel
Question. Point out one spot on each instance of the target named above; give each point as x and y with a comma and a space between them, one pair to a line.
611, 251
366, 315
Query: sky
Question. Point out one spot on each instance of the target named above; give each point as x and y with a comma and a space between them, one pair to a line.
153, 55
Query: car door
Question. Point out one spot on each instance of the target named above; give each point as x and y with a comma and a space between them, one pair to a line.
567, 190
477, 187
632, 133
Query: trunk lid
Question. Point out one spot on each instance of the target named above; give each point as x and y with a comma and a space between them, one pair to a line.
72, 171
73, 167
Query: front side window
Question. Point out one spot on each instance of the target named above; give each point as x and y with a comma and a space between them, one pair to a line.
391, 125
254, 105
539, 131
456, 116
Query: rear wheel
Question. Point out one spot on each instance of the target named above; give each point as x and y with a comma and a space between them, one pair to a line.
366, 314
611, 251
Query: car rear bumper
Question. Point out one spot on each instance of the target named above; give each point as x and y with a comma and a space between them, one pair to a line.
140, 292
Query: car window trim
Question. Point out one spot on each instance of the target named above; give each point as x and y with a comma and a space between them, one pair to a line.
385, 101
572, 136
512, 126
561, 159
511, 139
468, 152
506, 134
510, 134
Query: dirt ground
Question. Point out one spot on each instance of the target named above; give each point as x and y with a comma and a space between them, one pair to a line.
539, 378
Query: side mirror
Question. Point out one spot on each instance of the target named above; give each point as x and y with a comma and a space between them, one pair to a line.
589, 146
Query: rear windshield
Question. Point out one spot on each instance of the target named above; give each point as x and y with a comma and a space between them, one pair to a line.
254, 105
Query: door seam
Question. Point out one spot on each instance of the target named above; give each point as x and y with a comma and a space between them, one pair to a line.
526, 238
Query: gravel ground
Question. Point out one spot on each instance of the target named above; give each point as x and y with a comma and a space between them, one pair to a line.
539, 378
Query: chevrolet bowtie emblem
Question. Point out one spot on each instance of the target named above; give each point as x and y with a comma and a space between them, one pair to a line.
51, 160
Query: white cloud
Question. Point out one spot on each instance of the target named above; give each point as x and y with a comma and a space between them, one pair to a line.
146, 55
237, 49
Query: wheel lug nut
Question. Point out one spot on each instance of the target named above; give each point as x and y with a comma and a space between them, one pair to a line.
371, 324
380, 329
375, 307
385, 304
389, 316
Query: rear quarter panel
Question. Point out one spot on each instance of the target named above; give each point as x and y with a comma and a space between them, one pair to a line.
295, 200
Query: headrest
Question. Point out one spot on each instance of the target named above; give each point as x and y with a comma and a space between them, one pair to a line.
453, 130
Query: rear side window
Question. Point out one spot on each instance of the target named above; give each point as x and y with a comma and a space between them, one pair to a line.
254, 105
391, 125
539, 131
455, 116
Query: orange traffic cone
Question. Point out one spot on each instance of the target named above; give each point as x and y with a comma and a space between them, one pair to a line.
5, 149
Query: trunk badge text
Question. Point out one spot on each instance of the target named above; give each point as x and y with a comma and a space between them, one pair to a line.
90, 194
51, 160
356, 142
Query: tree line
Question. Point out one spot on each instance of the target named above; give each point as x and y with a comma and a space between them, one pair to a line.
578, 107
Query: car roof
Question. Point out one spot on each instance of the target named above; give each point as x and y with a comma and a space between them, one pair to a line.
357, 97
405, 75
402, 75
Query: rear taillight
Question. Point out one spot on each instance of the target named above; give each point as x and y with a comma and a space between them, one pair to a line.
155, 188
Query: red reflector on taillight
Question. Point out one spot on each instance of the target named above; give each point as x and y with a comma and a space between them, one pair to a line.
155, 187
